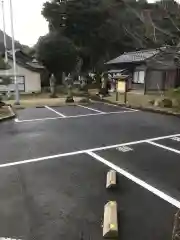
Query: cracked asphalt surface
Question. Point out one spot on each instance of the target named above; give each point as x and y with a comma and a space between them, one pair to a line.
64, 197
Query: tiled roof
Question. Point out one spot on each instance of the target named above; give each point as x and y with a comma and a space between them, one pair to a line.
116, 71
137, 56
35, 65
25, 60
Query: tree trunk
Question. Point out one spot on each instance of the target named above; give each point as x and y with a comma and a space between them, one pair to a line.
98, 81
63, 78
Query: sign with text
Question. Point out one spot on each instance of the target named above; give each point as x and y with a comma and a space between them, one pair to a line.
121, 86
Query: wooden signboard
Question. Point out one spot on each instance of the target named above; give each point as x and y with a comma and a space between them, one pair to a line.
121, 88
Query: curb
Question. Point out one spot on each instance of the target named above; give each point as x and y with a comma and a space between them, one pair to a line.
145, 109
21, 107
13, 115
156, 111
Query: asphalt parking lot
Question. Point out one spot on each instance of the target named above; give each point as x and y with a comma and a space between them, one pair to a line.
53, 169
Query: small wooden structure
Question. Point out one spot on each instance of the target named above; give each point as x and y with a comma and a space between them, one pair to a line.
150, 70
121, 86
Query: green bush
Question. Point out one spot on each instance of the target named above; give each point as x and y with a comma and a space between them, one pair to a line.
163, 102
175, 92
166, 102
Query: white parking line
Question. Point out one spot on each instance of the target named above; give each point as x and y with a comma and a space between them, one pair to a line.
51, 109
76, 116
92, 109
111, 104
2, 238
36, 119
137, 180
83, 151
164, 147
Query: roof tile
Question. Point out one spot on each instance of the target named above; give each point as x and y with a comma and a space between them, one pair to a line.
137, 56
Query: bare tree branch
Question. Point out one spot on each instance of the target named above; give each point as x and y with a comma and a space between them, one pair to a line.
154, 33
163, 31
173, 23
134, 11
142, 19
139, 40
169, 17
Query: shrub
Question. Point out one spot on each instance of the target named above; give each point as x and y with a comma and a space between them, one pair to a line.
176, 103
151, 102
175, 92
166, 102
175, 95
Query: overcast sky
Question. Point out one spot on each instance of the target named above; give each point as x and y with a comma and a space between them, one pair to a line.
29, 24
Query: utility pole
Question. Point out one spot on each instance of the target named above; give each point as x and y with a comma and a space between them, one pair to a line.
4, 32
14, 56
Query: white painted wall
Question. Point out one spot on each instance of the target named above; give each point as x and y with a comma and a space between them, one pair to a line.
32, 79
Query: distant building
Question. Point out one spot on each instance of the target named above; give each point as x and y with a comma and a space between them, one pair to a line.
29, 73
150, 70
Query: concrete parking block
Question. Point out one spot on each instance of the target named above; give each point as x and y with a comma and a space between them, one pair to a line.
111, 179
110, 224
176, 226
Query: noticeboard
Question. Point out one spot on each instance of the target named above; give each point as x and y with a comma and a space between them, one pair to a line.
121, 86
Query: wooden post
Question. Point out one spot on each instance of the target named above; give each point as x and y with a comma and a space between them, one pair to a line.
145, 80
145, 86
117, 94
125, 93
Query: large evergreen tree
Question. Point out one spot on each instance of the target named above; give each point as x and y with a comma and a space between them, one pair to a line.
102, 29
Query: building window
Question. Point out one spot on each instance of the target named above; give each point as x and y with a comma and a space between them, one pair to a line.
138, 77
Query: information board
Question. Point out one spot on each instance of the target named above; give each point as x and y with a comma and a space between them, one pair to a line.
121, 86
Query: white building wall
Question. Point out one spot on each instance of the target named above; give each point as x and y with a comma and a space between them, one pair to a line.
32, 79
